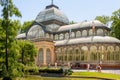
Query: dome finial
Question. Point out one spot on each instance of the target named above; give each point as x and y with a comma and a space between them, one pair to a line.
52, 5
52, 2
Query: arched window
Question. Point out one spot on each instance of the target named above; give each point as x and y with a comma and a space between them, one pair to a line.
98, 56
100, 32
106, 33
48, 56
66, 35
78, 34
84, 33
94, 55
40, 56
72, 34
108, 55
117, 48
47, 35
61, 36
117, 51
56, 37
82, 57
35, 31
58, 54
90, 32
84, 48
65, 54
93, 48
116, 55
70, 54
51, 36
83, 54
110, 48
77, 56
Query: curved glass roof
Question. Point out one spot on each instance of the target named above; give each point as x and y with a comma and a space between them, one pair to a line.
34, 32
82, 25
92, 39
21, 36
52, 14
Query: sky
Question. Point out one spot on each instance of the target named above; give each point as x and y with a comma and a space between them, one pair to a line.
75, 10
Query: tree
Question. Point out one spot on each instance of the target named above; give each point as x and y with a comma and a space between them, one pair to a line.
2, 35
27, 52
9, 29
116, 24
21, 52
26, 25
72, 22
104, 19
15, 68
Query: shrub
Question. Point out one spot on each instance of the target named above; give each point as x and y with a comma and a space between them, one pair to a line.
51, 70
30, 70
7, 78
68, 72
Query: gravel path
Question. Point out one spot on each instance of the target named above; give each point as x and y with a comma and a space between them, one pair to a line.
104, 71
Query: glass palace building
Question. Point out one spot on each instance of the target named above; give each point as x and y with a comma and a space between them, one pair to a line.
58, 41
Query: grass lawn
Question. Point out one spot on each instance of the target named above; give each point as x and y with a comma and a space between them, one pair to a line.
96, 74
50, 78
75, 76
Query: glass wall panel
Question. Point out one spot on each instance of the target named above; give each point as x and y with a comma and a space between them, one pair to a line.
90, 32
100, 32
56, 37
48, 56
47, 35
78, 34
34, 32
72, 35
61, 36
84, 33
40, 56
66, 35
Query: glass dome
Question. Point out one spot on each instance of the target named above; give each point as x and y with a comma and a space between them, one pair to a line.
52, 13
36, 31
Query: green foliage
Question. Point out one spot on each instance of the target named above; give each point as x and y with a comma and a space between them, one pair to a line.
104, 19
31, 70
14, 67
26, 25
116, 24
51, 70
27, 52
8, 45
2, 42
7, 78
36, 70
72, 22
4, 72
9, 9
115, 19
68, 72
97, 74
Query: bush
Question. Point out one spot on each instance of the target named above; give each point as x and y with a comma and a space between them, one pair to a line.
51, 70
0, 73
7, 78
30, 70
68, 72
